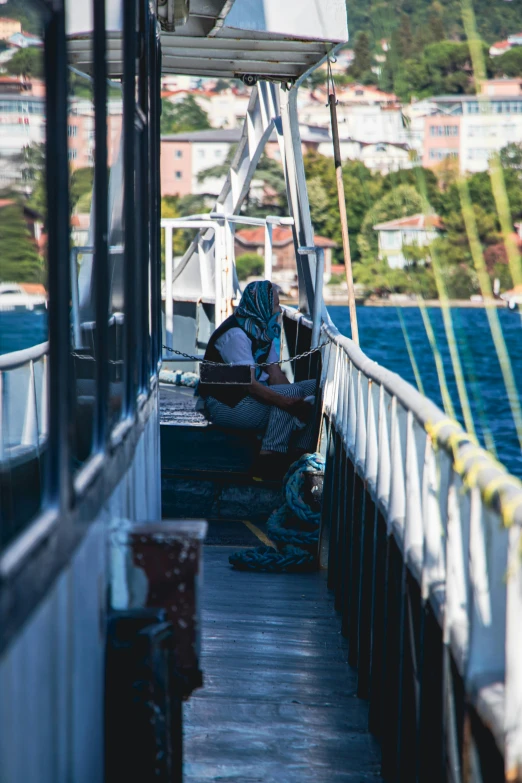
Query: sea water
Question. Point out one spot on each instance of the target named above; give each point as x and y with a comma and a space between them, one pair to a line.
382, 339
22, 329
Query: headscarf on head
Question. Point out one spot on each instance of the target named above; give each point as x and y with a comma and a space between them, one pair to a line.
254, 315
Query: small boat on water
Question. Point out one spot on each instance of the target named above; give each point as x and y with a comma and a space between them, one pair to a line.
513, 297
16, 297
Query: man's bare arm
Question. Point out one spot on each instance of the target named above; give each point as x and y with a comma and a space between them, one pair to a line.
276, 375
293, 405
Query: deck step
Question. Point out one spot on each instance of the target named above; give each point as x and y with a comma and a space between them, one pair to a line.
206, 471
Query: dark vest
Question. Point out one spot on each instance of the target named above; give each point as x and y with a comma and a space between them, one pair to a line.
230, 395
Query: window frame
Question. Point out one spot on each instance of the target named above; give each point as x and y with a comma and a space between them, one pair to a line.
71, 501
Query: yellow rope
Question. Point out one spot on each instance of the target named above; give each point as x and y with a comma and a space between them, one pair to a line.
499, 483
509, 511
433, 430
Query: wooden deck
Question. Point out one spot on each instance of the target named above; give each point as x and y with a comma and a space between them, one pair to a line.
278, 704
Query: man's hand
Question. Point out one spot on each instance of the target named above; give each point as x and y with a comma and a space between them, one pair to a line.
299, 408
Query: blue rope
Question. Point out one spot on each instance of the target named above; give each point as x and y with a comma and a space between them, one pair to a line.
296, 545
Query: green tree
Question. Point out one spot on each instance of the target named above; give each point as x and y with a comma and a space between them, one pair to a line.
509, 63
400, 202
361, 68
81, 185
495, 21
319, 203
511, 157
187, 115
403, 40
442, 68
361, 187
436, 27
19, 259
249, 265
26, 62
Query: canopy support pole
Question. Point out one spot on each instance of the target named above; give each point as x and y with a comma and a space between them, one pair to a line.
344, 219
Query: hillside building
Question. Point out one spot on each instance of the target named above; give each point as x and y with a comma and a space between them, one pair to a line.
9, 27
395, 235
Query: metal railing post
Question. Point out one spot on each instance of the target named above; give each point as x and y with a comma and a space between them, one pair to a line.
30, 430
317, 305
169, 305
268, 250
318, 297
218, 275
75, 298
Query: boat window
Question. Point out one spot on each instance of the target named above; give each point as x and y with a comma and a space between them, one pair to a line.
116, 241
81, 155
23, 285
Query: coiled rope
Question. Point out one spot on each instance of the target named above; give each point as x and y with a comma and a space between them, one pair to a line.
294, 527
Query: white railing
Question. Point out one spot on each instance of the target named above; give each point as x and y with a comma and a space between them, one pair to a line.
456, 516
216, 280
23, 401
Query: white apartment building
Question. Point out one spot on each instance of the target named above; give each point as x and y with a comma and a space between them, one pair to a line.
370, 122
22, 122
383, 157
226, 109
471, 129
481, 135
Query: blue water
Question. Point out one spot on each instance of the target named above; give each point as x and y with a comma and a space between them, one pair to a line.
20, 330
381, 337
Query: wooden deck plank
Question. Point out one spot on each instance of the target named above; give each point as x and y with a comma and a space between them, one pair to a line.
279, 703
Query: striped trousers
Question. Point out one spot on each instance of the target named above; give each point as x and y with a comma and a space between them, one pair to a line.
277, 425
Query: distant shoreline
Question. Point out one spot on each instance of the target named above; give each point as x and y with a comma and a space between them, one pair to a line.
402, 303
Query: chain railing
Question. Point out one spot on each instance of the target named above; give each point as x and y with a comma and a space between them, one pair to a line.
422, 540
190, 358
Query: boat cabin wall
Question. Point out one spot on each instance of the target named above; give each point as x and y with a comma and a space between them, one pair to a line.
82, 448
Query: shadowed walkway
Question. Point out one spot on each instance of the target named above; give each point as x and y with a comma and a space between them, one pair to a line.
279, 703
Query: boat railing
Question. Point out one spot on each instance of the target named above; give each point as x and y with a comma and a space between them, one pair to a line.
74, 253
23, 401
422, 541
214, 243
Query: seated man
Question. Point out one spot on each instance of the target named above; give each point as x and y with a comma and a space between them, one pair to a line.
271, 403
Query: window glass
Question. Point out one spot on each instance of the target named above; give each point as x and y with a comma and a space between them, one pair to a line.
116, 249
81, 155
83, 159
23, 275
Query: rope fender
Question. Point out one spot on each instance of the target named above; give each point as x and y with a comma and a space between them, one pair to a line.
296, 548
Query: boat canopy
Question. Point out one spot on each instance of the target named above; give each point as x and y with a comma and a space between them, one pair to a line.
249, 39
